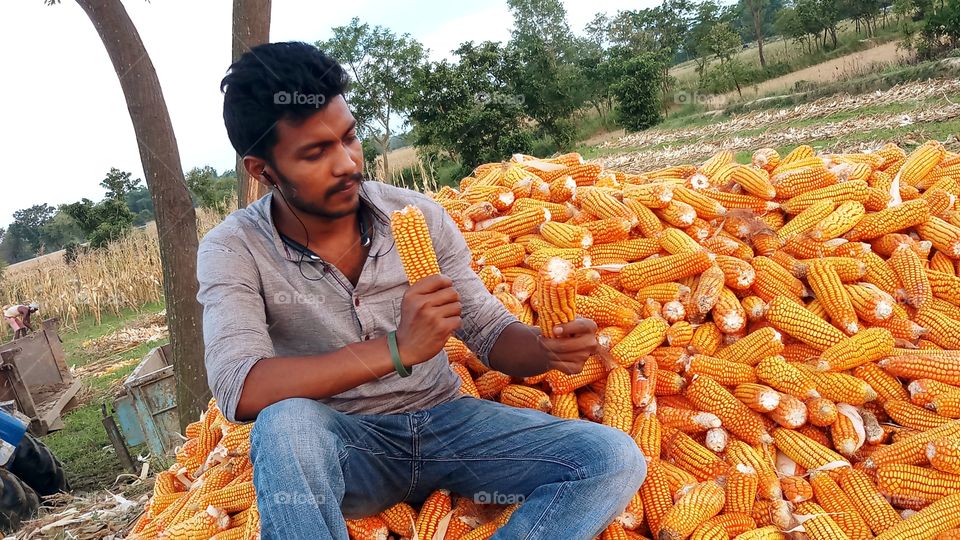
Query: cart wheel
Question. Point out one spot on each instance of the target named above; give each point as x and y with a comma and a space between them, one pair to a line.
18, 502
36, 465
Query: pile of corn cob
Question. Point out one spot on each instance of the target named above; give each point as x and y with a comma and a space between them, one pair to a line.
781, 339
208, 492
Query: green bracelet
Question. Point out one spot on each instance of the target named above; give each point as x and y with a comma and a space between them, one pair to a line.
395, 355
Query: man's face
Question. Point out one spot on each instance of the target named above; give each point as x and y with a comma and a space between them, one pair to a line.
318, 163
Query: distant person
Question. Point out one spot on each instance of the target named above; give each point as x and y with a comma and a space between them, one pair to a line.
18, 317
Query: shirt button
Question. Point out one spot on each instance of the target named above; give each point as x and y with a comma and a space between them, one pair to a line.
356, 301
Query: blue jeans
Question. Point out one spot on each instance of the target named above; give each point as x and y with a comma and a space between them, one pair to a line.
313, 466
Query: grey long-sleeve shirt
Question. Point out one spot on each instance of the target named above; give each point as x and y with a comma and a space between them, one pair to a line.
256, 304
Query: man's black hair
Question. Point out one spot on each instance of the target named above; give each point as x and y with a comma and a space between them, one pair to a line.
273, 82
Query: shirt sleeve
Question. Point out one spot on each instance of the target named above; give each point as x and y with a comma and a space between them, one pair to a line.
483, 316
235, 331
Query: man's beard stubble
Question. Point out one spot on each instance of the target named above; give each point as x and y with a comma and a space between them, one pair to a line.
288, 192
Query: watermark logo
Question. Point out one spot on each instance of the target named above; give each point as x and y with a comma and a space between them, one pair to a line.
298, 298
296, 98
486, 497
297, 498
497, 98
696, 98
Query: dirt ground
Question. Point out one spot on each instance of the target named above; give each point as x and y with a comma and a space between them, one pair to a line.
851, 65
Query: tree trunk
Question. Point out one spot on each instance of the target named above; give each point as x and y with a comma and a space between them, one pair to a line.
251, 27
757, 9
385, 148
833, 36
173, 208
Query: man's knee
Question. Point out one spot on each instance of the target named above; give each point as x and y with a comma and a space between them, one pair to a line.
294, 425
615, 454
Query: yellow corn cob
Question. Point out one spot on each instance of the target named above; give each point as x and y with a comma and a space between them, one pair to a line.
869, 502
910, 269
691, 456
686, 420
840, 387
790, 413
680, 332
656, 195
677, 478
491, 383
434, 508
921, 162
503, 256
945, 236
828, 288
617, 407
853, 191
516, 395
738, 274
766, 159
947, 405
204, 524
646, 433
400, 518
725, 372
793, 182
945, 286
623, 251
656, 496
871, 304
677, 213
368, 528
866, 346
561, 383
804, 450
643, 339
936, 518
768, 532
556, 293
821, 526
695, 506
791, 318
605, 231
886, 386
564, 406
917, 366
518, 223
911, 416
835, 501
606, 206
708, 395
675, 241
705, 207
414, 245
905, 215
565, 235
741, 489
909, 484
944, 455
773, 280
647, 221
754, 347
786, 377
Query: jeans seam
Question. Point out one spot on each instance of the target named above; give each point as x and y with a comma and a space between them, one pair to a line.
512, 458
537, 526
414, 455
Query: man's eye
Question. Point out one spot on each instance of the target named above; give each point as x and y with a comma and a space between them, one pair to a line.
314, 157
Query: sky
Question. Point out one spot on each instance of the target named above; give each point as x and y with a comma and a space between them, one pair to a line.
63, 118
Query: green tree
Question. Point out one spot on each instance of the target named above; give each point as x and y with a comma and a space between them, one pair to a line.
118, 184
470, 109
100, 222
638, 92
24, 236
140, 204
550, 80
382, 67
60, 231
723, 42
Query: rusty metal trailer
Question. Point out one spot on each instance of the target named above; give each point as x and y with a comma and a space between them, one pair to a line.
35, 376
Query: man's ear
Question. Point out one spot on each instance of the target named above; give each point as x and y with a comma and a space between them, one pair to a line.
255, 167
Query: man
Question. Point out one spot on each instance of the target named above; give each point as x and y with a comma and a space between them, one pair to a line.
18, 317
301, 291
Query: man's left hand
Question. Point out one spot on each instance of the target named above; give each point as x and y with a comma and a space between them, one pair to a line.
575, 341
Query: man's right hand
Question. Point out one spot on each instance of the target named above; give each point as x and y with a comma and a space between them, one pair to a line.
429, 314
